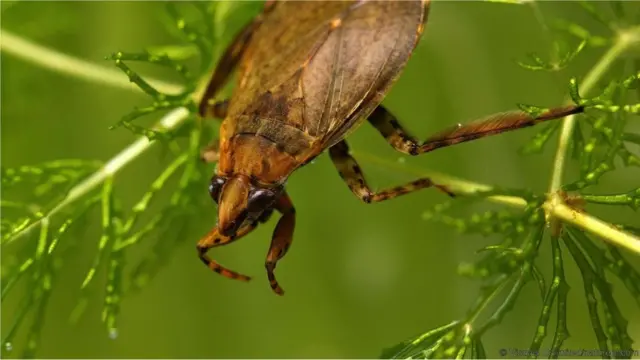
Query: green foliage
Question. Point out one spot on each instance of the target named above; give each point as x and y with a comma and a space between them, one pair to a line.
599, 143
598, 140
121, 230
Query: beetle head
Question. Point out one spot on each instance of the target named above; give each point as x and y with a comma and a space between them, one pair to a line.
240, 201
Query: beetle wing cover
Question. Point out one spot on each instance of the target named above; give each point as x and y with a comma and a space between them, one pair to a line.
322, 66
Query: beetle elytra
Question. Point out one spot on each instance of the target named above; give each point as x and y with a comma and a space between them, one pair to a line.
311, 72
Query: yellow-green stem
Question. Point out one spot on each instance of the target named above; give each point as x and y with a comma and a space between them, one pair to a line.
587, 85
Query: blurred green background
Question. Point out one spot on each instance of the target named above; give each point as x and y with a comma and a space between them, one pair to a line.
358, 277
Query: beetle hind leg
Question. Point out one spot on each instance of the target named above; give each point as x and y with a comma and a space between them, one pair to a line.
495, 124
214, 239
352, 174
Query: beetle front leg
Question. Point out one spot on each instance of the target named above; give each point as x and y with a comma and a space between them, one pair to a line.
397, 137
281, 240
352, 174
216, 110
214, 239
211, 153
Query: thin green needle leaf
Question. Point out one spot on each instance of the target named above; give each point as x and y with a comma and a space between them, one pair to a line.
33, 336
145, 231
581, 33
175, 223
139, 81
13, 279
618, 9
107, 231
487, 293
540, 139
574, 92
578, 142
208, 11
632, 199
175, 52
34, 214
29, 173
550, 298
539, 278
156, 186
114, 287
156, 59
618, 266
562, 332
35, 285
477, 350
561, 57
570, 55
531, 245
453, 344
617, 333
193, 35
23, 310
411, 348
67, 224
595, 13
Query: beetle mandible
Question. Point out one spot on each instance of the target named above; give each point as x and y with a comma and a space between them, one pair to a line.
311, 72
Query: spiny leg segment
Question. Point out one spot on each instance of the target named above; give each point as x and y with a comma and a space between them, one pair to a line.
352, 174
398, 138
214, 239
281, 240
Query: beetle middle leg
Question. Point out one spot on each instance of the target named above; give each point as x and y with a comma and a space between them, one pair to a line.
352, 174
494, 124
214, 239
281, 240
210, 153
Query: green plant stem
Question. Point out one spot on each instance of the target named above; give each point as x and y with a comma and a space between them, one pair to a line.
622, 43
170, 121
57, 61
594, 226
54, 60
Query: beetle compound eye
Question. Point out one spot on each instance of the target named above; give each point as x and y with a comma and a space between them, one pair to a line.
215, 187
260, 199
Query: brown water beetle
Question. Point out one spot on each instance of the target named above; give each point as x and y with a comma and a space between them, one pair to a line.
310, 73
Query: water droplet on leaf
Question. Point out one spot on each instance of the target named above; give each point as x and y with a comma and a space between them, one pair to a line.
8, 346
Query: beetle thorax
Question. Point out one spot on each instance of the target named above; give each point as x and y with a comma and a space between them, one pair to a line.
257, 158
